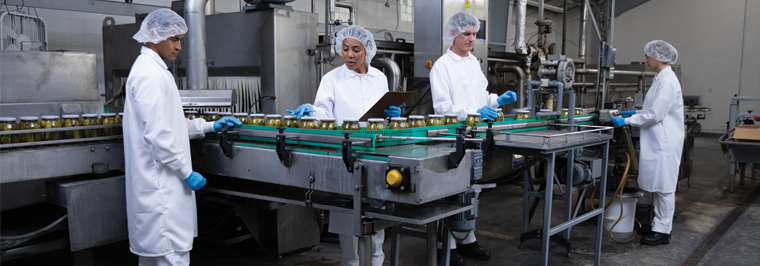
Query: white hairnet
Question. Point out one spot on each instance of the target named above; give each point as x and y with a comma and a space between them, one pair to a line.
661, 51
159, 25
459, 23
360, 34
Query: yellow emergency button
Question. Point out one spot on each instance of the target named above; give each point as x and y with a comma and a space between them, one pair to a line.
394, 178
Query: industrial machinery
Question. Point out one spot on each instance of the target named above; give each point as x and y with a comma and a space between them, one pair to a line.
46, 166
739, 153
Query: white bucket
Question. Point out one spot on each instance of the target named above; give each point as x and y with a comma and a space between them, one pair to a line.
612, 214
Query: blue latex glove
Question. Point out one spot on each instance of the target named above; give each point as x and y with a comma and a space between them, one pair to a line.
628, 113
486, 112
507, 98
231, 122
618, 121
392, 111
304, 109
196, 181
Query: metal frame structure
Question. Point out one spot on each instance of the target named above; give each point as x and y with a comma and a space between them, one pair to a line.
738, 152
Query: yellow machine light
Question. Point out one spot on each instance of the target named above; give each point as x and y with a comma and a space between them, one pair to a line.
394, 178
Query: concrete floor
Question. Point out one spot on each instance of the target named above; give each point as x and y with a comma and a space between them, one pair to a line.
699, 209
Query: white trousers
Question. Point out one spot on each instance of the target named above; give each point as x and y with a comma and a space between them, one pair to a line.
172, 259
349, 247
664, 206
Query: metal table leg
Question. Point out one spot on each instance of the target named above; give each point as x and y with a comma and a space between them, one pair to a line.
569, 195
600, 218
432, 241
365, 250
549, 194
395, 244
742, 172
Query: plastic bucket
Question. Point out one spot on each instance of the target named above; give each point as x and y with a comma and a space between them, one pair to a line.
612, 214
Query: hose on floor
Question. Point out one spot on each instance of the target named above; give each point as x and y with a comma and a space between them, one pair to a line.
616, 195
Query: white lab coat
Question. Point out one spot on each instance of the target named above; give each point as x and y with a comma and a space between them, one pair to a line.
662, 133
161, 214
343, 93
459, 86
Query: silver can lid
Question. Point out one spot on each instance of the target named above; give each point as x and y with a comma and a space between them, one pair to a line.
29, 118
7, 119
108, 114
49, 117
70, 116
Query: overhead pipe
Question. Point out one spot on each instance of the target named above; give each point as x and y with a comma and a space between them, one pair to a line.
540, 9
582, 34
564, 26
211, 7
329, 30
197, 65
546, 7
617, 72
350, 8
394, 79
520, 79
519, 45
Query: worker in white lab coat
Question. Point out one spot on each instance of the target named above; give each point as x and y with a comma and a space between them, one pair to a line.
160, 181
347, 92
662, 134
459, 87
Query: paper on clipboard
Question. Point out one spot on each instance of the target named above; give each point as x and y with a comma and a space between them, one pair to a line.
389, 99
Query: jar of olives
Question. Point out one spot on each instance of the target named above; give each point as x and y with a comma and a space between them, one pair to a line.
257, 120
243, 117
109, 119
578, 111
273, 121
501, 115
376, 124
328, 124
191, 114
351, 124
417, 121
451, 119
473, 119
224, 114
119, 130
523, 115
398, 123
211, 116
308, 122
436, 120
29, 123
72, 121
8, 124
90, 120
51, 121
565, 112
290, 121
544, 111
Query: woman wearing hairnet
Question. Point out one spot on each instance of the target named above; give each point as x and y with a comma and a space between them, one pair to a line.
662, 135
459, 87
348, 92
160, 181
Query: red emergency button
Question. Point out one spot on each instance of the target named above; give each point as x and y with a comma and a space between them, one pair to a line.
429, 64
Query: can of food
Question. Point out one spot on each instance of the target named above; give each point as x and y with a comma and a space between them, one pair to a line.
8, 124
72, 121
243, 117
109, 119
351, 124
308, 122
564, 112
523, 115
376, 124
435, 120
501, 115
51, 121
290, 121
273, 121
417, 121
473, 119
29, 123
90, 120
451, 119
258, 120
328, 124
398, 123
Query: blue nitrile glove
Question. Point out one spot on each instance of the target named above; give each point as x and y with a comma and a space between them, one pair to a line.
618, 121
507, 98
486, 112
392, 111
196, 181
304, 109
231, 121
628, 113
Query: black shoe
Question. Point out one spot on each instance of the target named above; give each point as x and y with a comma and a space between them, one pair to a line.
474, 250
656, 239
645, 230
454, 258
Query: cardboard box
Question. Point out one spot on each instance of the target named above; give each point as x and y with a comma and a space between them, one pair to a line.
747, 133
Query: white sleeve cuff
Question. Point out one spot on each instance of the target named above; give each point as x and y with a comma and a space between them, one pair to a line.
208, 127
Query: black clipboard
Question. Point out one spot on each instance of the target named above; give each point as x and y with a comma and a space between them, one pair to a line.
389, 99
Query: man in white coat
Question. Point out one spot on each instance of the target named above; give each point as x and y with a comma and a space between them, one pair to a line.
662, 135
348, 92
459, 87
160, 181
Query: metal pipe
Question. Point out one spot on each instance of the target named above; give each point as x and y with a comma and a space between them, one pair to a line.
210, 7
417, 102
501, 60
564, 25
617, 72
547, 7
350, 8
394, 79
519, 44
741, 60
596, 25
520, 79
531, 101
432, 244
582, 34
611, 30
540, 9
386, 51
330, 30
313, 4
197, 65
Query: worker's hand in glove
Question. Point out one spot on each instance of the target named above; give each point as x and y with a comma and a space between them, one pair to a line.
392, 111
486, 112
507, 98
618, 121
196, 181
628, 113
304, 109
231, 122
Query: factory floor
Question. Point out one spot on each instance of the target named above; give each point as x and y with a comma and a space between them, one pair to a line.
712, 227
